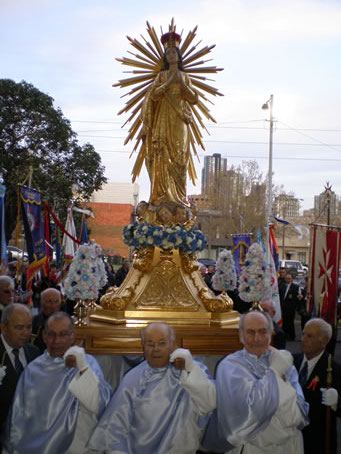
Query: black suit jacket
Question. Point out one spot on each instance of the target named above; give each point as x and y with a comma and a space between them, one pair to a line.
291, 298
314, 434
9, 382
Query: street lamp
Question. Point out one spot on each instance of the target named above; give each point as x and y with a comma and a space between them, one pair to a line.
266, 106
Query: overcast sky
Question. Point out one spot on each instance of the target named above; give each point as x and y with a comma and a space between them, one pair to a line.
290, 49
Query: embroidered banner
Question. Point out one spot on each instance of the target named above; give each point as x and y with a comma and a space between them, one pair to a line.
241, 244
324, 268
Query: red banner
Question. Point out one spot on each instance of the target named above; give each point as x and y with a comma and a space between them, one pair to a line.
325, 258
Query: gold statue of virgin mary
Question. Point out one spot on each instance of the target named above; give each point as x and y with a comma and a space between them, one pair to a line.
167, 103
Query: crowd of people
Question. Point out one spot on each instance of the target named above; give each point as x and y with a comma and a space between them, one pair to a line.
55, 398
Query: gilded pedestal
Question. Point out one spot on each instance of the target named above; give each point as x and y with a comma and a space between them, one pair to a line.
165, 285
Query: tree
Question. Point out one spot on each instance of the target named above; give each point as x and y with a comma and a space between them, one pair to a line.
35, 133
238, 194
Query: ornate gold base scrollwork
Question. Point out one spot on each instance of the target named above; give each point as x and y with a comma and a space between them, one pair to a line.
166, 289
114, 302
221, 303
189, 262
168, 282
143, 259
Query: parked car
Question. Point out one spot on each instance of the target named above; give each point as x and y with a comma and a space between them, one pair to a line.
14, 253
207, 262
294, 265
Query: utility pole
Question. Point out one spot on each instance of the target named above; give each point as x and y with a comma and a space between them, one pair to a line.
269, 105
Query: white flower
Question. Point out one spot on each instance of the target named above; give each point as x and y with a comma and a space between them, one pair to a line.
2, 373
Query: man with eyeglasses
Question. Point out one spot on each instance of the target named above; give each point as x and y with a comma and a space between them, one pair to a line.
59, 397
260, 405
15, 352
162, 405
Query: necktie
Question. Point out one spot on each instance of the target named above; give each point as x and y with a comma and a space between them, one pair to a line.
286, 291
17, 363
303, 375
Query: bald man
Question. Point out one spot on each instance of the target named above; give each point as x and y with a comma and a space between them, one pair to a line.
260, 405
162, 405
315, 337
50, 302
15, 352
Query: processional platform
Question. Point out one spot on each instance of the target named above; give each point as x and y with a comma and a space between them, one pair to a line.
107, 339
162, 286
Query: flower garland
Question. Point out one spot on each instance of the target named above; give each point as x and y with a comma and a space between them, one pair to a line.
252, 279
140, 235
225, 278
86, 273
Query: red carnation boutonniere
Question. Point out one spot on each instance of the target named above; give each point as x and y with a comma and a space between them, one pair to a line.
312, 385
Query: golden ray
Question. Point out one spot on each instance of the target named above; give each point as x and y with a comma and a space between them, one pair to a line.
146, 62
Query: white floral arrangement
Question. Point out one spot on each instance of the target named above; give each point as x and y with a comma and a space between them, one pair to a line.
86, 275
2, 373
225, 277
252, 282
140, 235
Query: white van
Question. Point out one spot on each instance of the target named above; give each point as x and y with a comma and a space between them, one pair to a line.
294, 264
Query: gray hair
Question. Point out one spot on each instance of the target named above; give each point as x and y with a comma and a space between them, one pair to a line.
59, 316
170, 331
325, 328
8, 312
270, 302
49, 290
264, 314
6, 280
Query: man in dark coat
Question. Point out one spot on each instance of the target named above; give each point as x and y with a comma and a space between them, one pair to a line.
288, 294
15, 353
50, 302
278, 336
315, 338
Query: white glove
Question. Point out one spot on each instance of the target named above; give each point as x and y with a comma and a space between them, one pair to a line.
185, 355
79, 354
329, 396
281, 361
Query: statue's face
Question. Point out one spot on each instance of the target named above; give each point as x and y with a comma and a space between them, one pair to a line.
181, 215
172, 55
165, 215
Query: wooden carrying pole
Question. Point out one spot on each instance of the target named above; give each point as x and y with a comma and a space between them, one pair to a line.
329, 381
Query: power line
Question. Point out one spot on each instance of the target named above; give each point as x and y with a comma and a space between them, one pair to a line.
221, 125
236, 142
312, 138
240, 156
